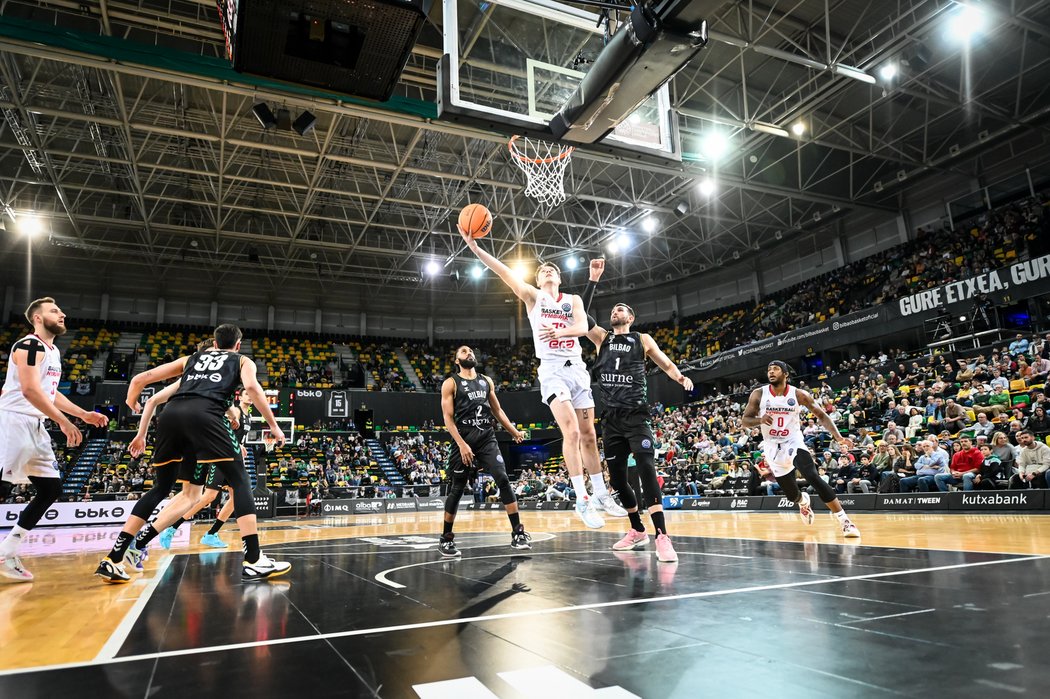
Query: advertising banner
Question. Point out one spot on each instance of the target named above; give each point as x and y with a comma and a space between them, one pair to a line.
65, 513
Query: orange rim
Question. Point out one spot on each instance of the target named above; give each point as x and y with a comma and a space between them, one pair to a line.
538, 161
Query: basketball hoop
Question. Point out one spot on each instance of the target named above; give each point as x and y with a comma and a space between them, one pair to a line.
269, 442
544, 166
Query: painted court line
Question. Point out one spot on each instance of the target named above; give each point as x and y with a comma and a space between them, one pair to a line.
381, 577
120, 634
885, 616
513, 615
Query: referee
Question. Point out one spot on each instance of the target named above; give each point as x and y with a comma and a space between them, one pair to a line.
620, 370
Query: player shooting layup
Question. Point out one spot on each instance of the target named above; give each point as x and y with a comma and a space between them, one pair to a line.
558, 320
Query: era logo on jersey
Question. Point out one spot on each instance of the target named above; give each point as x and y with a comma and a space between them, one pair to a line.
791, 402
566, 307
646, 444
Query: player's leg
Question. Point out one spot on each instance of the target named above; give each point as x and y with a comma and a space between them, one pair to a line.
568, 423
220, 520
215, 443
110, 568
26, 454
592, 462
458, 475
617, 451
804, 464
491, 460
211, 491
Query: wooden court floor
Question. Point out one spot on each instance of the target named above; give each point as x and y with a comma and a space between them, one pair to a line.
67, 616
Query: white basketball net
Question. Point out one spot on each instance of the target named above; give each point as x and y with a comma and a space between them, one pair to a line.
544, 167
269, 443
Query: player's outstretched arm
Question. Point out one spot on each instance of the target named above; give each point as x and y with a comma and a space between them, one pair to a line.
138, 444
250, 381
497, 411
664, 362
89, 416
525, 292
806, 401
158, 373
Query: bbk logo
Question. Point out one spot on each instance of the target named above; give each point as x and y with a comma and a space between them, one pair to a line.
309, 394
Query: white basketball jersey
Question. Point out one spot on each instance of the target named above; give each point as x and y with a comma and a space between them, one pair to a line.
557, 312
48, 367
785, 410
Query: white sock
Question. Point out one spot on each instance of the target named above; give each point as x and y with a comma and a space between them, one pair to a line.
13, 541
598, 485
843, 517
580, 486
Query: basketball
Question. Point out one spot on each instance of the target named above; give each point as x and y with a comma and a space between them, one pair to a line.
476, 220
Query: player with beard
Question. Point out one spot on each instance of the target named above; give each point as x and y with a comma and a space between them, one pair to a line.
558, 321
776, 408
469, 407
30, 395
622, 383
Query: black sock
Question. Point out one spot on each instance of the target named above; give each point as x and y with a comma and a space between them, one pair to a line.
179, 522
145, 536
515, 521
636, 521
658, 521
447, 528
216, 526
250, 544
116, 554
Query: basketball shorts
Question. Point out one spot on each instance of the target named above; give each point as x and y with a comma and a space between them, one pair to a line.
25, 449
780, 456
195, 427
627, 431
566, 381
195, 472
486, 457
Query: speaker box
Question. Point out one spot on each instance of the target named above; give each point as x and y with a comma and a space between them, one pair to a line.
357, 47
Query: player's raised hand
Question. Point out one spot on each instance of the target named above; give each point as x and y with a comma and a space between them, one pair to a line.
597, 268
467, 237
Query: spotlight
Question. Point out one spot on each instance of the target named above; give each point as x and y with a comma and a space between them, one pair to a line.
706, 187
798, 128
714, 145
966, 22
888, 72
266, 118
29, 225
432, 268
570, 262
649, 224
476, 271
519, 270
304, 123
454, 275
682, 207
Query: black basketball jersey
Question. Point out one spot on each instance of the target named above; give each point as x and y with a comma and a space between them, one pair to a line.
241, 433
620, 369
214, 374
471, 408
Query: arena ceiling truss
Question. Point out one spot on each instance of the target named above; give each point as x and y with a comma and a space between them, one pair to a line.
149, 167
